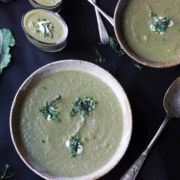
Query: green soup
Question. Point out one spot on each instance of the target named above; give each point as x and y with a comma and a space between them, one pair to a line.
48, 2
36, 30
100, 130
142, 40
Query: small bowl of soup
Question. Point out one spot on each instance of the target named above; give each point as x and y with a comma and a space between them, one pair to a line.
51, 5
45, 29
71, 119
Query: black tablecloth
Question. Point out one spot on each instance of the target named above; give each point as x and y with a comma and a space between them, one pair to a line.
145, 89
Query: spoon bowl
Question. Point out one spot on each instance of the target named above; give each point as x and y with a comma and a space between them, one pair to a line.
172, 99
171, 104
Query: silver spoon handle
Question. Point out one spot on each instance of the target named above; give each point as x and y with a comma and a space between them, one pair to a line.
110, 19
134, 169
102, 30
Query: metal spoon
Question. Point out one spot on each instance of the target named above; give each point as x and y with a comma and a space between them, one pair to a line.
171, 104
102, 30
110, 19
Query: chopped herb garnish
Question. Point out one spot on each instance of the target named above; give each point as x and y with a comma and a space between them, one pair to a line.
178, 30
48, 28
152, 14
115, 46
44, 88
74, 144
160, 25
100, 59
49, 111
138, 66
39, 19
37, 30
163, 39
83, 106
5, 172
93, 137
42, 141
85, 139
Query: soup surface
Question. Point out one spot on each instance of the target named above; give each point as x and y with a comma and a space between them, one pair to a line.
142, 40
33, 24
100, 131
47, 2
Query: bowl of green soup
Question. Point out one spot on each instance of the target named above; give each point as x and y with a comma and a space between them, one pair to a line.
149, 31
46, 30
51, 5
71, 119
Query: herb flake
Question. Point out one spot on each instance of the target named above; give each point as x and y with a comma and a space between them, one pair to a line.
74, 144
138, 66
5, 172
115, 46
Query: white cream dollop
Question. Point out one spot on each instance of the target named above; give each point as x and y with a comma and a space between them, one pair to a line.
41, 27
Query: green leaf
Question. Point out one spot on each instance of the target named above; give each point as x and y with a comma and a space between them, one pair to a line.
6, 40
138, 66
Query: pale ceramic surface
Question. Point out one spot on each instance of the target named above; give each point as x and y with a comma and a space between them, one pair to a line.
71, 65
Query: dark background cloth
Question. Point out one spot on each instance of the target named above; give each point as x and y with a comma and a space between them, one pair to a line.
145, 89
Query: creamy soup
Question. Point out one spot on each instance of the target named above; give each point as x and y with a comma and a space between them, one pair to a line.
146, 43
46, 140
44, 26
47, 2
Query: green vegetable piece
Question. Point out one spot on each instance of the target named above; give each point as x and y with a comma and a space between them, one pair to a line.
74, 145
42, 141
5, 172
6, 41
138, 66
115, 46
100, 59
49, 111
83, 106
178, 30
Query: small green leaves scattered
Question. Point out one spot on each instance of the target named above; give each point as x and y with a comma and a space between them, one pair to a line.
83, 106
6, 41
49, 111
99, 59
74, 144
152, 14
160, 25
115, 46
138, 66
5, 172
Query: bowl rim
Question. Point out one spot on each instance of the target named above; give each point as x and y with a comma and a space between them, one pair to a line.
92, 175
129, 52
51, 7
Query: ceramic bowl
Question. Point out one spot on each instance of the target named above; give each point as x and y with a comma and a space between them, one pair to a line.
118, 15
84, 66
47, 47
55, 8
